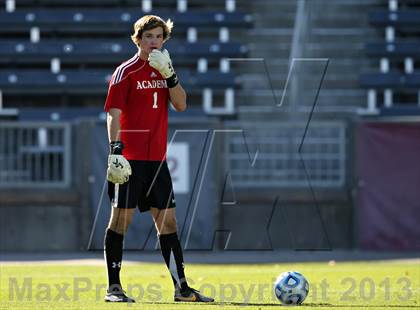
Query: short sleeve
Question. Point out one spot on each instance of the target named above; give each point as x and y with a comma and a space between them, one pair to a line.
117, 95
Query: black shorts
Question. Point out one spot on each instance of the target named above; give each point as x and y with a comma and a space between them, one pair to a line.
150, 185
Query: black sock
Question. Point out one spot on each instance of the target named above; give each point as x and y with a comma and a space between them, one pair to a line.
172, 254
113, 256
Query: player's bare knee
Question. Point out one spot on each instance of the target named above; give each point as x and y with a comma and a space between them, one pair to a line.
120, 220
172, 224
114, 226
169, 226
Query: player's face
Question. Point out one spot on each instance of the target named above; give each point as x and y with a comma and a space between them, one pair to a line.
151, 39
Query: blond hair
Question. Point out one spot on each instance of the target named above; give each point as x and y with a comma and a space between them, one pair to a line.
149, 22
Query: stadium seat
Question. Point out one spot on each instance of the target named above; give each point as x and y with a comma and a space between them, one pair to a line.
80, 2
100, 3
33, 3
93, 81
397, 81
400, 110
393, 49
402, 19
393, 80
68, 47
110, 51
113, 20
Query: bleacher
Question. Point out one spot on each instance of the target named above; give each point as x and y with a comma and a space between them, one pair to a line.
104, 51
70, 48
394, 88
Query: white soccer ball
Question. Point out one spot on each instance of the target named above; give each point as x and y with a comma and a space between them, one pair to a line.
291, 288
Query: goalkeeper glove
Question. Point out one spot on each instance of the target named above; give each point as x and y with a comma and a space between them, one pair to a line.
119, 169
161, 61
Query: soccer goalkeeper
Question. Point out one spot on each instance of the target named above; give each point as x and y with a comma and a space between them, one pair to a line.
137, 121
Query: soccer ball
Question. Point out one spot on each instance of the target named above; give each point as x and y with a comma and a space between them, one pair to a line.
291, 288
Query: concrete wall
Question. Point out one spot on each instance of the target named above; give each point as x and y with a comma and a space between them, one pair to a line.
38, 228
288, 220
42, 219
48, 219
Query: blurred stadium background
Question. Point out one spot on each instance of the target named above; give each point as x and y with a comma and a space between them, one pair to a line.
302, 131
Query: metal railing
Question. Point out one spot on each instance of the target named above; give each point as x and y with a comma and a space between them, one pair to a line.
35, 154
278, 163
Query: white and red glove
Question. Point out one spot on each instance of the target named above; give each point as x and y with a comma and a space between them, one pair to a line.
119, 169
161, 61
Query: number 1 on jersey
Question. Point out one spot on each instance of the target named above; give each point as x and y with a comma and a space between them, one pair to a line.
155, 106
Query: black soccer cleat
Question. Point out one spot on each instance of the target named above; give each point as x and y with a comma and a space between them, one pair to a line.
191, 295
117, 296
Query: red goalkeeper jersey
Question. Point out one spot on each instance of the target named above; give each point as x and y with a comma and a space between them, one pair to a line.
142, 95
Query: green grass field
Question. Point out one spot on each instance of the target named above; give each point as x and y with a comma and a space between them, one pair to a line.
332, 285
